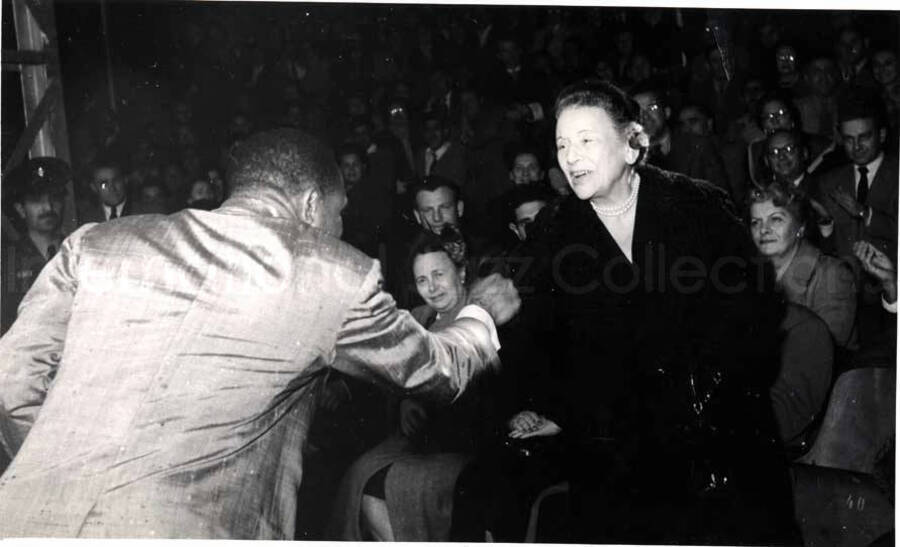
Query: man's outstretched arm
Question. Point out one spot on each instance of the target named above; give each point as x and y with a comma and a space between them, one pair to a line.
30, 352
383, 344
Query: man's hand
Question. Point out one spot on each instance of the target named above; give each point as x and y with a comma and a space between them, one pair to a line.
412, 417
497, 295
878, 265
848, 203
823, 217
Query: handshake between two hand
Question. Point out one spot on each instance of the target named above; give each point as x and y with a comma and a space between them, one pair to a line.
497, 295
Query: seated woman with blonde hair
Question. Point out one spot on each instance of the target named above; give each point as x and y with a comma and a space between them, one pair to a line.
806, 276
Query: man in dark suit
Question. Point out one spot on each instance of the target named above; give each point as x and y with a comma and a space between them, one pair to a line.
191, 350
861, 199
109, 186
440, 155
689, 154
861, 196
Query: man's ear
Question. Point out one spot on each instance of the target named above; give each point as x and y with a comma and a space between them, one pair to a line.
459, 208
766, 160
19, 209
418, 217
668, 112
882, 135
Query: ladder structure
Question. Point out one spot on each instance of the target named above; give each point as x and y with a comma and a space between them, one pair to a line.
37, 61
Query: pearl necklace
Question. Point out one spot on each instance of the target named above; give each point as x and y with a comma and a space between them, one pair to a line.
625, 207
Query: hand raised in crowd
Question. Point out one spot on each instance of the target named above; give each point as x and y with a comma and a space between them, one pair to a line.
527, 424
879, 266
412, 417
497, 295
848, 203
821, 211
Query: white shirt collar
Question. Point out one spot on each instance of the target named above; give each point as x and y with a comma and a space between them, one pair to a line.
872, 166
107, 209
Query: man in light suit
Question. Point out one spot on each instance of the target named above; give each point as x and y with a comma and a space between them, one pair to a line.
161, 376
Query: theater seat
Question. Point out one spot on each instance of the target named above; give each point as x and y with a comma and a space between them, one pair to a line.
531, 533
843, 487
859, 422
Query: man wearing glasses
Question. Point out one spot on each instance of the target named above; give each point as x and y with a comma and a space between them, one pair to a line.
689, 154
779, 114
110, 193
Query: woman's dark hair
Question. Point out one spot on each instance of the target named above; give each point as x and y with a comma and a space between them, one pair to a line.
595, 92
794, 201
449, 242
782, 97
618, 105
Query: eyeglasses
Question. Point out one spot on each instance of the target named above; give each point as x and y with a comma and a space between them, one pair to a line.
786, 150
652, 107
780, 113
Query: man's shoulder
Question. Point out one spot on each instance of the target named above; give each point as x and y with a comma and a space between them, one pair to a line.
835, 175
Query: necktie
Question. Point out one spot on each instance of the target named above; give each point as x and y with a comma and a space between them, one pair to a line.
51, 250
862, 189
112, 212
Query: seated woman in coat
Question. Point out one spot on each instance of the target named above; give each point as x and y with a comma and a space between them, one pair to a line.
404, 488
805, 275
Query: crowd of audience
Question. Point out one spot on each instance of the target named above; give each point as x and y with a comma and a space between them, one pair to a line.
442, 125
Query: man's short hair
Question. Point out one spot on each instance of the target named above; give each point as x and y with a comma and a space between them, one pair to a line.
516, 149
525, 193
108, 159
349, 148
796, 134
432, 183
287, 159
651, 87
859, 102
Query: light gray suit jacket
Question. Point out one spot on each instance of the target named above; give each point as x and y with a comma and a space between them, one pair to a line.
161, 376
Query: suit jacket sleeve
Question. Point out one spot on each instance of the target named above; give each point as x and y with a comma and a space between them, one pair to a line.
31, 351
381, 343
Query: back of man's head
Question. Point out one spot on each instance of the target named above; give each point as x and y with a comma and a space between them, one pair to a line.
286, 159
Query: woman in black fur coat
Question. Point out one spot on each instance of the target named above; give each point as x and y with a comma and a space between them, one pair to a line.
666, 330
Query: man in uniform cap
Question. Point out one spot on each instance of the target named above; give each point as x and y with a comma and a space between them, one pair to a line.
35, 190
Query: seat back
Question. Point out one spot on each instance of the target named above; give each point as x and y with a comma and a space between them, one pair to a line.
858, 427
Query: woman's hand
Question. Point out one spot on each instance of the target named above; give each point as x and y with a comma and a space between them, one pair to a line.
412, 417
527, 424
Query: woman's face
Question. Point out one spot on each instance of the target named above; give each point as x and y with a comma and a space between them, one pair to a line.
438, 280
774, 229
592, 153
884, 67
